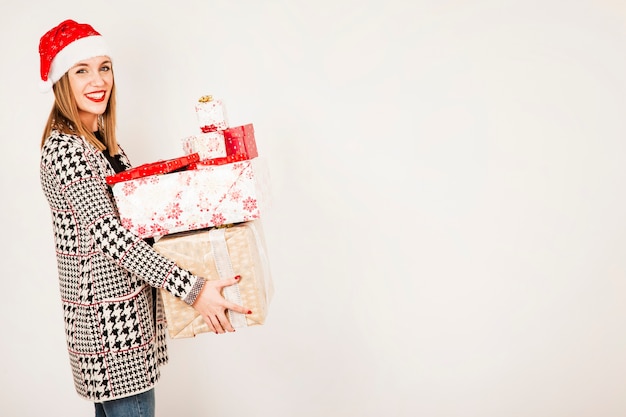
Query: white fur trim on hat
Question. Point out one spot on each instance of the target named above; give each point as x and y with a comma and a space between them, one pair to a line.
80, 49
45, 86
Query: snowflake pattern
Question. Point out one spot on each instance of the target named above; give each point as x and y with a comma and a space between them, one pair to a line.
158, 230
187, 200
128, 187
249, 204
141, 229
217, 219
127, 223
173, 211
235, 195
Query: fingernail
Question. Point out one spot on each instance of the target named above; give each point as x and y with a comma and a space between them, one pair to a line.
238, 277
249, 312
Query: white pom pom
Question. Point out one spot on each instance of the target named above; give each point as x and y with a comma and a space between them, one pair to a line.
45, 86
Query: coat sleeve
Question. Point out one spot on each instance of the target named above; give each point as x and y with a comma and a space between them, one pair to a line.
86, 192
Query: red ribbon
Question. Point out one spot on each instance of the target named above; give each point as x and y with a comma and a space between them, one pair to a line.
153, 168
208, 128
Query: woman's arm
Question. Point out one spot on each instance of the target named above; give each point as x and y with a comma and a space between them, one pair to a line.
70, 164
87, 193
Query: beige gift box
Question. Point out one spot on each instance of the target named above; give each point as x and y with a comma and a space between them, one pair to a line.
219, 253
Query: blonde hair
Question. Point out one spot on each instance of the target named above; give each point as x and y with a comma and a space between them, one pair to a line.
64, 117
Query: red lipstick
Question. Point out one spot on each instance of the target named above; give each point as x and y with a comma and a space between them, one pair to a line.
96, 96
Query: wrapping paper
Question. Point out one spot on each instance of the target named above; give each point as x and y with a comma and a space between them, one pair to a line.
211, 114
207, 145
195, 251
193, 199
240, 145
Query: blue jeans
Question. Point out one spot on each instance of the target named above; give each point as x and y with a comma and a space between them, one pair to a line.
139, 405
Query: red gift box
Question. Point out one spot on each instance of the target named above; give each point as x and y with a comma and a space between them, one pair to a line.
153, 168
240, 146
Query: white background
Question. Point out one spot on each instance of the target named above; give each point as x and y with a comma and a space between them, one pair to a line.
447, 234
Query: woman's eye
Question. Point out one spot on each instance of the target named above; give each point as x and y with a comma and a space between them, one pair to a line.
105, 68
81, 71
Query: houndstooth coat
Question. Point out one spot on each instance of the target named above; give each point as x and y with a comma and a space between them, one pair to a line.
106, 275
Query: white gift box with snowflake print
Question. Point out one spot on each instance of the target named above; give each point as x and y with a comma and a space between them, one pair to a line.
159, 205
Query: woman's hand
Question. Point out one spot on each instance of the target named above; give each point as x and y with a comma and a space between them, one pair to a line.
212, 305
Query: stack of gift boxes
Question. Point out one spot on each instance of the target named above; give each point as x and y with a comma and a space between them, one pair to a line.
204, 209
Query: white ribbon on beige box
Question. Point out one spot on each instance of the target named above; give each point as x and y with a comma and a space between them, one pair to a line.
225, 270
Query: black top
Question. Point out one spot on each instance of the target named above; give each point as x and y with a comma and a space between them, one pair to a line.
114, 160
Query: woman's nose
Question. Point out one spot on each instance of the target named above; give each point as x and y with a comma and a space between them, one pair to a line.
97, 79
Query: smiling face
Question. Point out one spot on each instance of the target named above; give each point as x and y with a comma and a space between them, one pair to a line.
91, 81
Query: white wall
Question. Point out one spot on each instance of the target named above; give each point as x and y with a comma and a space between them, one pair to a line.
447, 234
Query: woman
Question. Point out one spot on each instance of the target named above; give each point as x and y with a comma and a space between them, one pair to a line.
114, 323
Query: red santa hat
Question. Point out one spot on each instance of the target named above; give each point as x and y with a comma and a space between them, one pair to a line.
65, 45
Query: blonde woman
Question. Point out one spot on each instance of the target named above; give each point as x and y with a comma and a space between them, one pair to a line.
114, 323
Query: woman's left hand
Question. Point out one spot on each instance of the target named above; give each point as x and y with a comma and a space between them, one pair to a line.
212, 305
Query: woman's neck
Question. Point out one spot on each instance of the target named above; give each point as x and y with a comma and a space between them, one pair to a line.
90, 120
